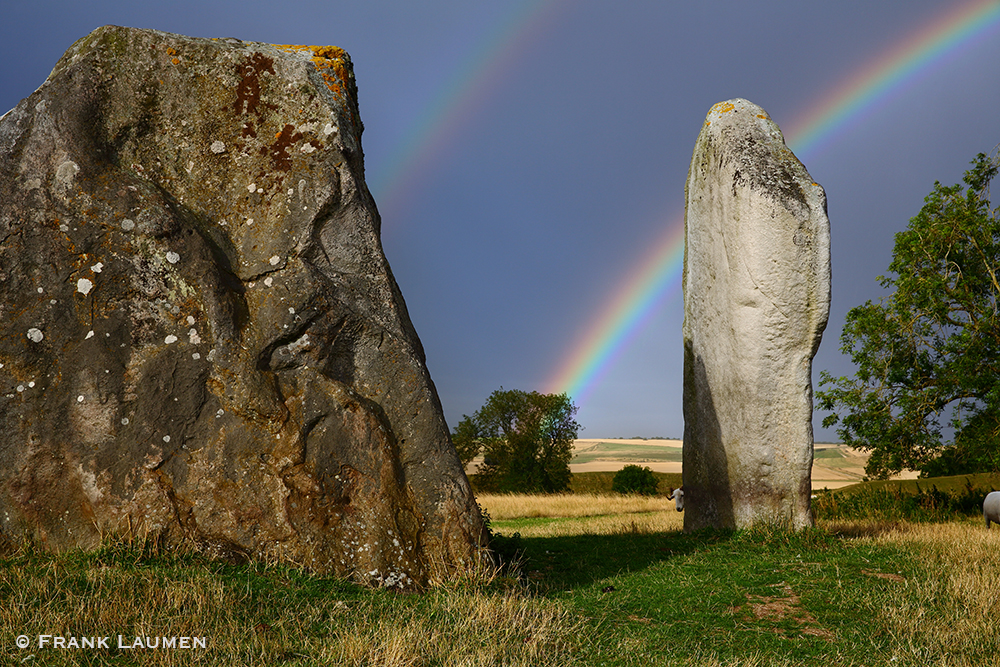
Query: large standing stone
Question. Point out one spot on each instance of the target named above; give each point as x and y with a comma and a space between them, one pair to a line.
756, 301
200, 337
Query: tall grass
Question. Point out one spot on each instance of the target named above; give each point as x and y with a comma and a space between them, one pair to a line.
895, 502
258, 614
525, 506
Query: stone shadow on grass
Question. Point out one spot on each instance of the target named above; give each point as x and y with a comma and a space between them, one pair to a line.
568, 562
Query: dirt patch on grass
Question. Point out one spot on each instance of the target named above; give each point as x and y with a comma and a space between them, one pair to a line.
782, 610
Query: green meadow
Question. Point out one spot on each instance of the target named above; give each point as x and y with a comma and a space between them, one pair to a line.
584, 579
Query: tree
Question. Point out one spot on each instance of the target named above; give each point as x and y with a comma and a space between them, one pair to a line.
526, 441
635, 479
931, 348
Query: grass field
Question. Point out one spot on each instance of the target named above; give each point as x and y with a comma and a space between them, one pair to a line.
591, 579
627, 450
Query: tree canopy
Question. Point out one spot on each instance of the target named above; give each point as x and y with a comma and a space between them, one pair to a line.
526, 440
928, 354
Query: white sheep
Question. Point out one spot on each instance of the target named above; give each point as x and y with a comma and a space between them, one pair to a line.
991, 508
678, 496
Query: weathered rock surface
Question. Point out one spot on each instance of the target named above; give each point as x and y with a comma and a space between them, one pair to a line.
756, 301
200, 337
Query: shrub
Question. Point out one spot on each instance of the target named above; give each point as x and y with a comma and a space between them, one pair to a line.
635, 479
895, 504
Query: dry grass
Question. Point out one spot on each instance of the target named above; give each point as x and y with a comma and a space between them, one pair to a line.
941, 611
614, 524
955, 602
502, 507
265, 615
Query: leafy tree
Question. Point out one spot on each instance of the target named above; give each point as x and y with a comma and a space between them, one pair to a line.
931, 348
526, 441
635, 479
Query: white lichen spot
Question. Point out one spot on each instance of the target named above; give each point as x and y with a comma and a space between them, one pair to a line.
196, 356
170, 339
291, 311
173, 257
193, 337
79, 399
252, 188
97, 268
308, 148
218, 147
274, 260
330, 129
31, 384
90, 334
20, 388
83, 286
41, 290
190, 319
63, 227
124, 421
128, 225
35, 335
66, 172
249, 221
166, 438
268, 281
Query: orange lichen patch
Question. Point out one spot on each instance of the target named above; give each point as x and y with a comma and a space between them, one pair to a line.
764, 116
329, 62
723, 107
176, 61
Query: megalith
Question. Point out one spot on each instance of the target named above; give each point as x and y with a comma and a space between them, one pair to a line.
756, 301
201, 340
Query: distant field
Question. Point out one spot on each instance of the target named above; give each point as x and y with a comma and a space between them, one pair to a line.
834, 465
594, 455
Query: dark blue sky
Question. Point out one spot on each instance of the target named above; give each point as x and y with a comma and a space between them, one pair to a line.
526, 155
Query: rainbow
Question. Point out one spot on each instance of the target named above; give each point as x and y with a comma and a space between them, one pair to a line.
467, 90
659, 276
657, 279
872, 86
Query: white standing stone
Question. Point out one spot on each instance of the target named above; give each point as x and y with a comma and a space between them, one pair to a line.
756, 301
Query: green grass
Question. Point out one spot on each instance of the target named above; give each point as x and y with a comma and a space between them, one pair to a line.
954, 484
840, 594
828, 454
935, 499
677, 596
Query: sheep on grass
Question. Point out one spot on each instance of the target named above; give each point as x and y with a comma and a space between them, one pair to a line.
678, 496
991, 508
